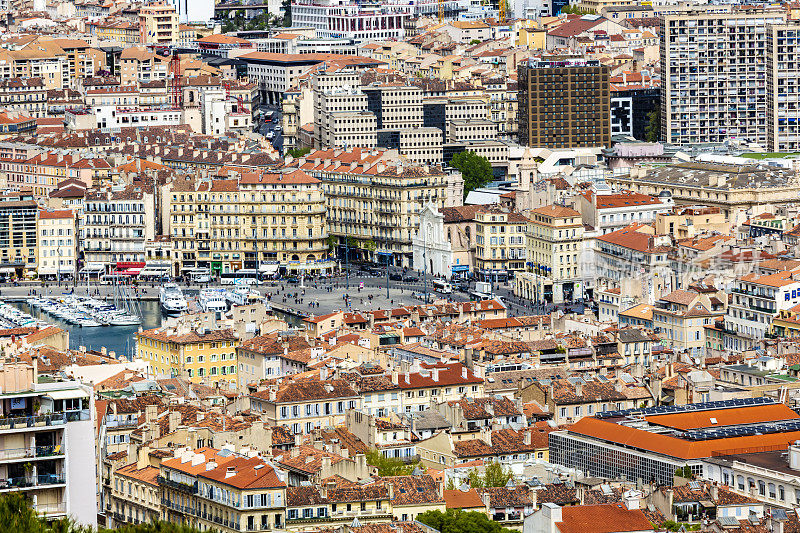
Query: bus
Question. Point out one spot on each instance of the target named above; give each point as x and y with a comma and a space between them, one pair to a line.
245, 276
199, 275
442, 286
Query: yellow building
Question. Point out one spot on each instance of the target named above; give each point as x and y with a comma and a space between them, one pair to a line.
554, 248
158, 23
257, 218
120, 31
500, 242
331, 506
199, 355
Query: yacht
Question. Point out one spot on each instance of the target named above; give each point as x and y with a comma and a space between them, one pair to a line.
213, 300
242, 296
172, 300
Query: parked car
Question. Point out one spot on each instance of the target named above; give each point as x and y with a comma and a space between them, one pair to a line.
396, 277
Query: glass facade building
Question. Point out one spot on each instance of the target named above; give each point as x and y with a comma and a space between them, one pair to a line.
603, 459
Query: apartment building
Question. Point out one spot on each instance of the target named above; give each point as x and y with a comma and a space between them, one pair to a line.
500, 249
47, 63
783, 91
218, 490
612, 212
564, 104
328, 507
396, 106
306, 405
632, 252
250, 221
57, 244
372, 197
373, 22
134, 495
554, 243
680, 318
137, 65
158, 24
713, 86
200, 355
757, 299
24, 95
18, 235
47, 438
114, 226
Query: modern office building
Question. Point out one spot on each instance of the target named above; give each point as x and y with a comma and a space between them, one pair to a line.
47, 443
564, 104
713, 85
649, 444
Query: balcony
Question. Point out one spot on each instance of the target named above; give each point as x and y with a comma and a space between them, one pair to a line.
33, 452
177, 485
50, 419
42, 480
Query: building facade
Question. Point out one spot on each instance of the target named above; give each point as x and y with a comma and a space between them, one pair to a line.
564, 104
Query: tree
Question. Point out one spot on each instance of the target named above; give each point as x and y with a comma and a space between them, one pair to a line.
475, 170
494, 475
389, 466
475, 41
685, 472
458, 521
298, 152
286, 6
653, 130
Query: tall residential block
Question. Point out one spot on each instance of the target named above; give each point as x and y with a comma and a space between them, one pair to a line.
713, 85
564, 104
783, 88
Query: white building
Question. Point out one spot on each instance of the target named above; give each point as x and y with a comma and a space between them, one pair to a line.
430, 244
47, 438
56, 240
222, 114
348, 19
756, 300
607, 211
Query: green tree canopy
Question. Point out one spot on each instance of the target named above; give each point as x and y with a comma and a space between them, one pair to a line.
298, 152
458, 521
18, 516
653, 130
494, 475
389, 466
476, 170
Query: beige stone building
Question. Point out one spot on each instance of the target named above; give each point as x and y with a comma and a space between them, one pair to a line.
499, 242
374, 199
554, 251
250, 221
56, 244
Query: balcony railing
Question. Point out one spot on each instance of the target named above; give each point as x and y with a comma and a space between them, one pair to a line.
177, 485
32, 452
31, 481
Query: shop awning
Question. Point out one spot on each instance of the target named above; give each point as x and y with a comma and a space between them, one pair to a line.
269, 269
66, 270
7, 270
67, 394
93, 267
127, 272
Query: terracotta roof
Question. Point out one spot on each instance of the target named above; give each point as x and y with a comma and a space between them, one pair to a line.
460, 499
608, 518
414, 490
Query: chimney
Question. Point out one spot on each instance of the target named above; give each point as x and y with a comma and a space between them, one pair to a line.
526, 438
174, 420
230, 472
578, 388
464, 372
150, 413
435, 374
35, 359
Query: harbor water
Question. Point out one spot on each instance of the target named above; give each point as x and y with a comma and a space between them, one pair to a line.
118, 339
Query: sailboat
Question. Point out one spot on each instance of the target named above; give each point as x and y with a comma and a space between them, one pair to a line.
130, 314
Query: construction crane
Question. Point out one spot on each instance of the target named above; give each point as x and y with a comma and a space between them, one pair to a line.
441, 9
240, 109
503, 7
173, 74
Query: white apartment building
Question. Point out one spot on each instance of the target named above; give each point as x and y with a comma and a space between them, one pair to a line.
348, 19
611, 212
713, 86
56, 244
114, 226
783, 88
756, 300
47, 443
